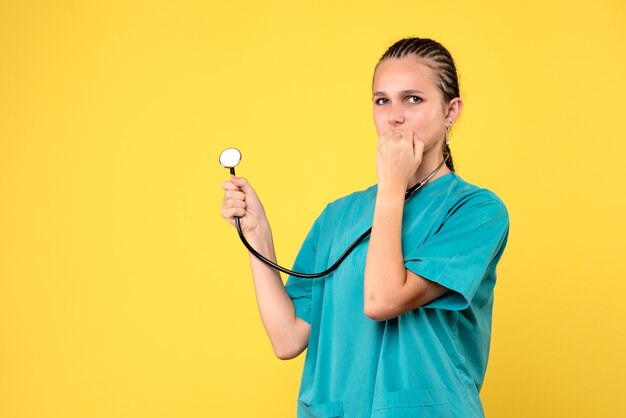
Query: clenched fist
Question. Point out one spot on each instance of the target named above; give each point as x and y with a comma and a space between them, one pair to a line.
398, 157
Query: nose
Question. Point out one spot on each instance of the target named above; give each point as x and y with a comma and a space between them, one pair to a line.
396, 115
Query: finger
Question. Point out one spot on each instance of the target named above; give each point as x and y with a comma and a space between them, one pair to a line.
231, 213
408, 135
415, 137
382, 145
243, 184
229, 185
396, 135
232, 194
233, 203
239, 181
418, 147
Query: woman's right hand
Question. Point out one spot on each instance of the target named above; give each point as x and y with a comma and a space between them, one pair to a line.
240, 200
288, 334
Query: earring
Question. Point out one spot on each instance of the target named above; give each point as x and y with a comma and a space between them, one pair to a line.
448, 135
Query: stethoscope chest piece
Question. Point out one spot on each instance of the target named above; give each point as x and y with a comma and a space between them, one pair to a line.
229, 158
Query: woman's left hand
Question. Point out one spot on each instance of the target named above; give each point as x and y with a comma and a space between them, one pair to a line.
398, 157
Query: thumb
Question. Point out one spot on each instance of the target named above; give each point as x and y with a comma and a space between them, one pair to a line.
418, 147
242, 183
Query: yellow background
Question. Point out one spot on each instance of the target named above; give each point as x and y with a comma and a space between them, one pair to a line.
124, 294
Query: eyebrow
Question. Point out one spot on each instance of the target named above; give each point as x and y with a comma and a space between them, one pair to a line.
403, 92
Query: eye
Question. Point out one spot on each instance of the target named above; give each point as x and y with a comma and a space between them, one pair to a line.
381, 101
414, 99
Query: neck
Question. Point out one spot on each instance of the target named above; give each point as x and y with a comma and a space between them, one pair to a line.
426, 168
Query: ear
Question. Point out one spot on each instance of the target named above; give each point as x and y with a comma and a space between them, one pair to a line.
453, 110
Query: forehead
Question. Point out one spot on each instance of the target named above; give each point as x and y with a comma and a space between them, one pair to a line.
407, 73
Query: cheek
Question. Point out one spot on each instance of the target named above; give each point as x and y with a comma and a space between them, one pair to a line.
428, 124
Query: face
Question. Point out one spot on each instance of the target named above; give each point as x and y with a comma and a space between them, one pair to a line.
406, 96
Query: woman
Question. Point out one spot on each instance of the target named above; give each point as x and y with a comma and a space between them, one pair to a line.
402, 327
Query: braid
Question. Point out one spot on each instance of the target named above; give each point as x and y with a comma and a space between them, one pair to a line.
446, 153
439, 59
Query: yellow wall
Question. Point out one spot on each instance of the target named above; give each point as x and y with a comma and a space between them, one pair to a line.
124, 294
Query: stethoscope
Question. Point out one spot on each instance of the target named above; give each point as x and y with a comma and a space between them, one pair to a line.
231, 157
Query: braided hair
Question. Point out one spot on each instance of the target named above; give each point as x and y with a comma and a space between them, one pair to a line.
439, 59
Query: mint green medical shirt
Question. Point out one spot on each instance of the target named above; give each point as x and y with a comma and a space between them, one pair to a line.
429, 362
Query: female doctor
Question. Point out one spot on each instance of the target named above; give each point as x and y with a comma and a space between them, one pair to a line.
402, 327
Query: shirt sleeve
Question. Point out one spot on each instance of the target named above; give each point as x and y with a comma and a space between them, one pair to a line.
299, 289
464, 249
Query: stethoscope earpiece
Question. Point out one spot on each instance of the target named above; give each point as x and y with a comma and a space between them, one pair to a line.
229, 158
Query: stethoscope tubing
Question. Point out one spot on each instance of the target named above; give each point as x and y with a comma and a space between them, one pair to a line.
410, 192
295, 273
